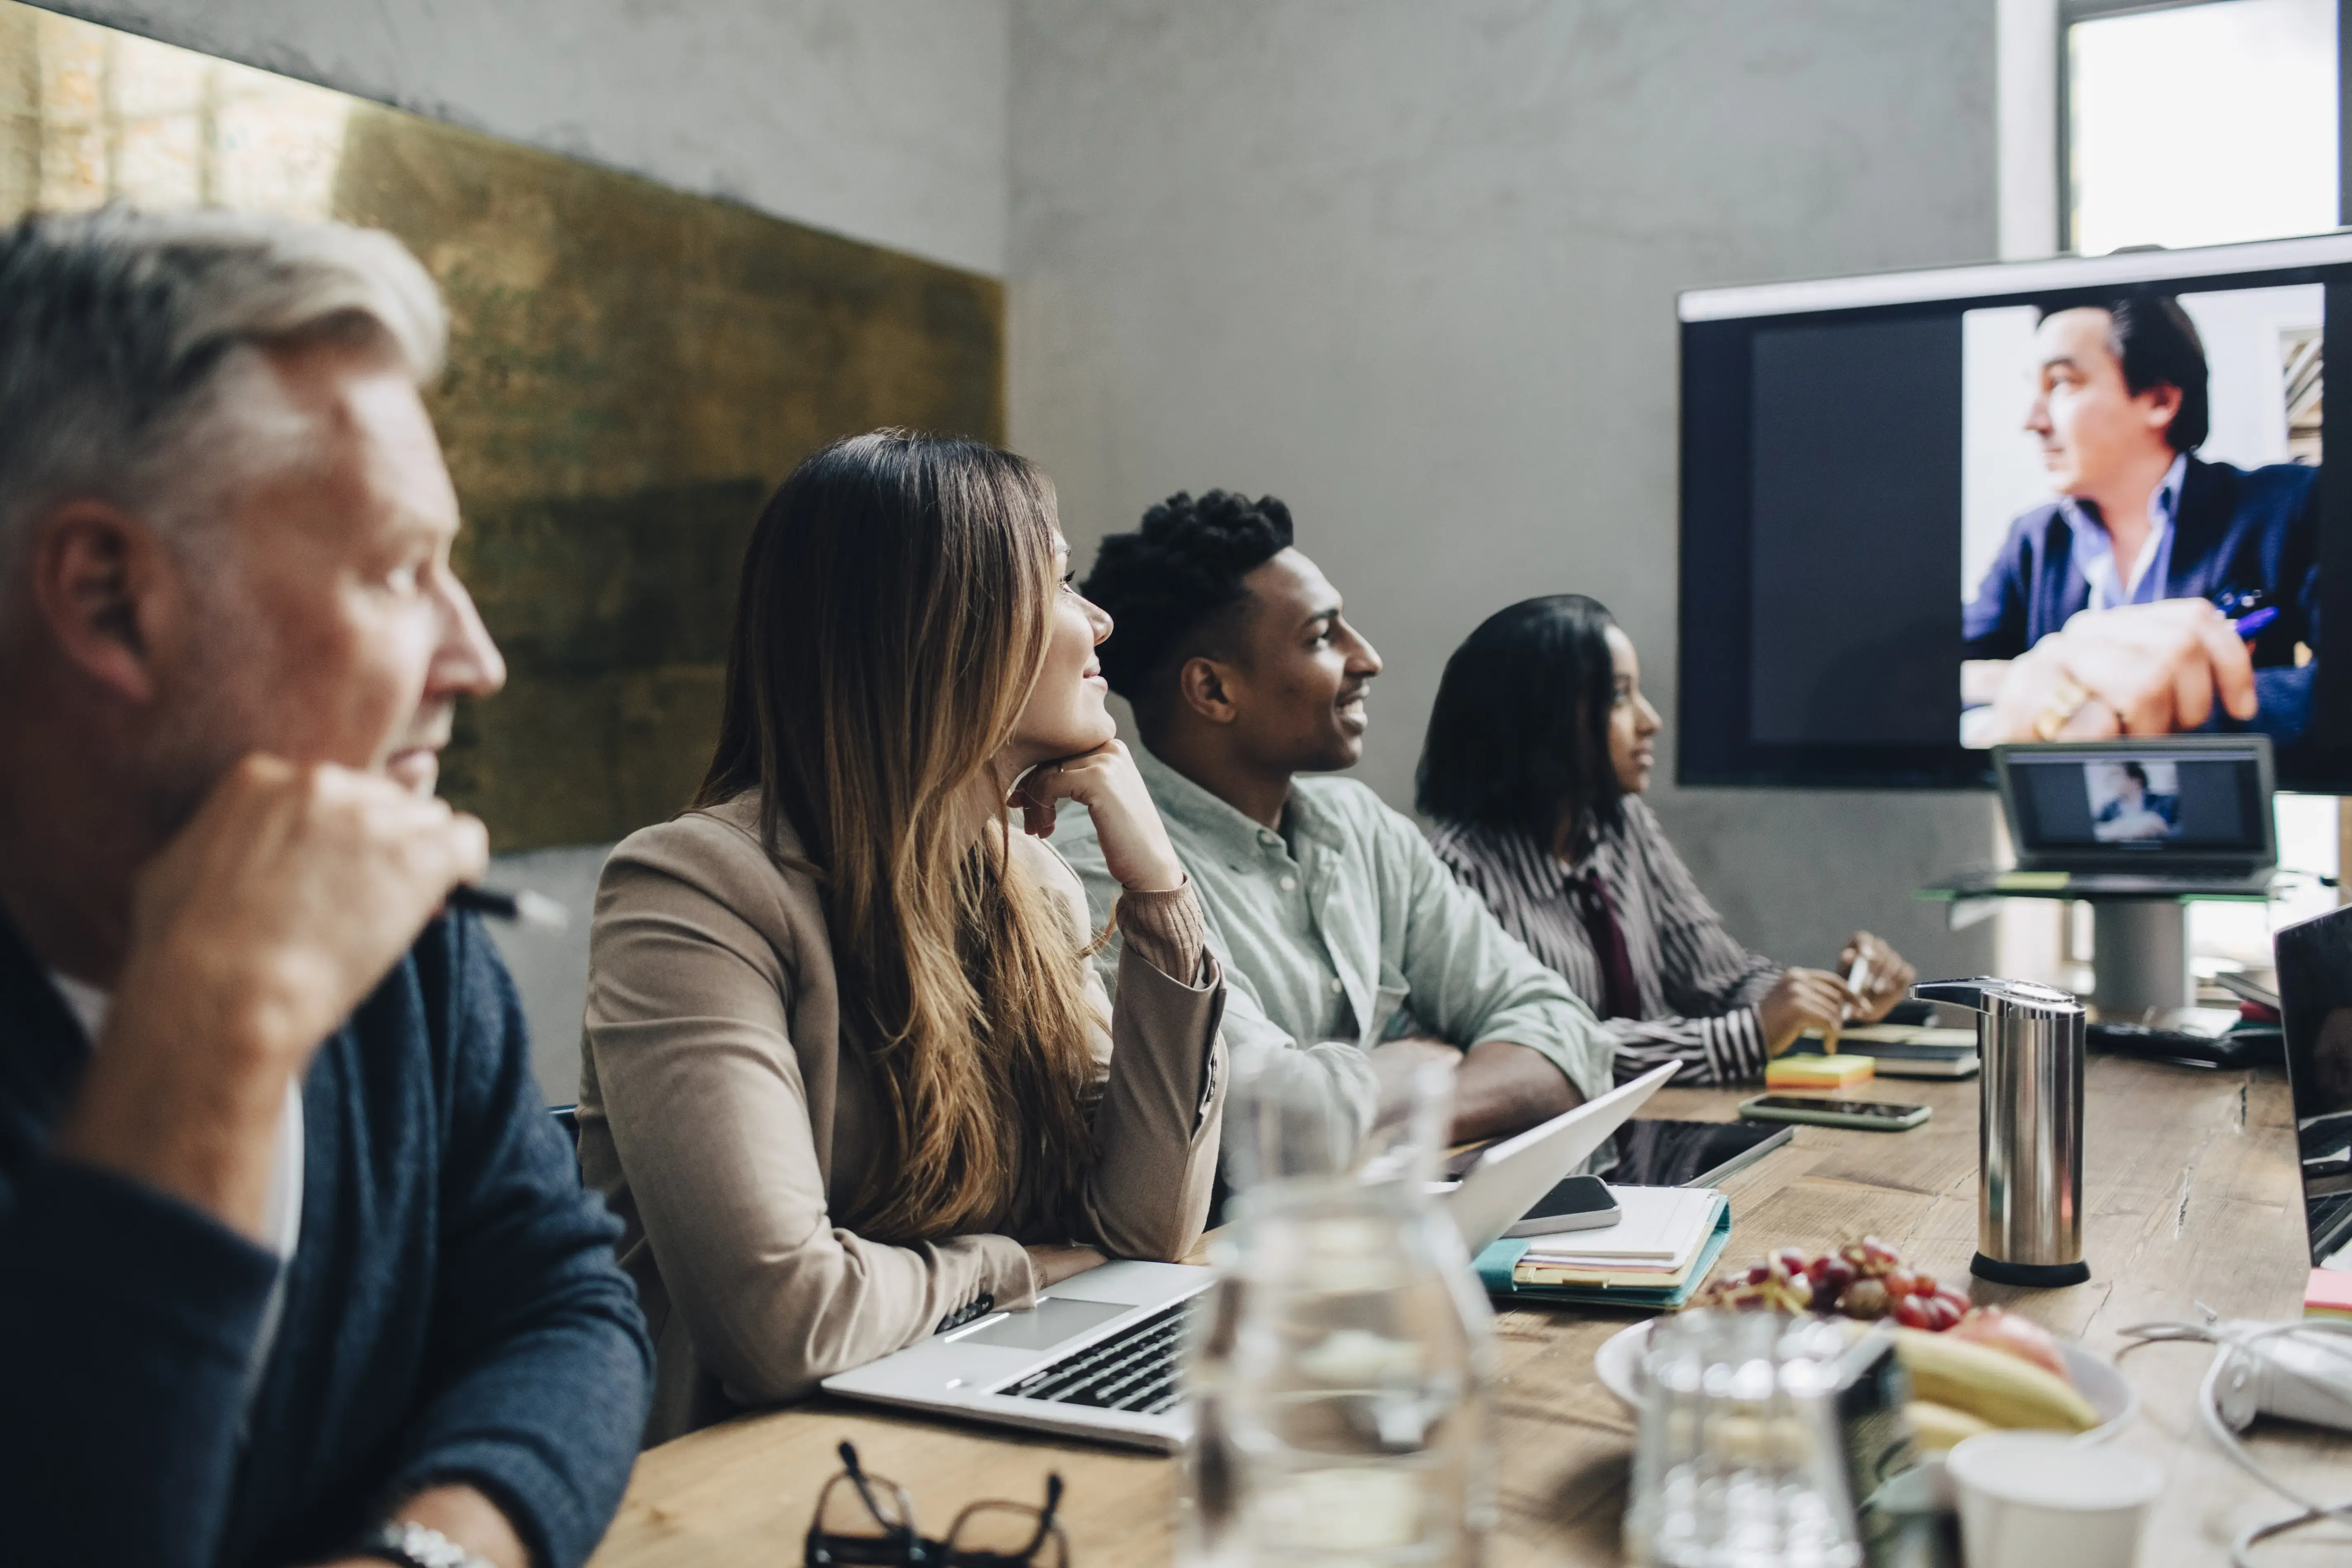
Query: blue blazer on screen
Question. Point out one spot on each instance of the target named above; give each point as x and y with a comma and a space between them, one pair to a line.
2241, 539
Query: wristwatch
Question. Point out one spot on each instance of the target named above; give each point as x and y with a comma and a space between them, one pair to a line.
411, 1545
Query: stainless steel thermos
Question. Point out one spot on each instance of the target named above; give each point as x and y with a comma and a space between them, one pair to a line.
2029, 1131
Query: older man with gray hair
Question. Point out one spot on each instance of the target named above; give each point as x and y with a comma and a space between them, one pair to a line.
294, 1264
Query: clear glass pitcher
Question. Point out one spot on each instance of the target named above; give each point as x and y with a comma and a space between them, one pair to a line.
1340, 1378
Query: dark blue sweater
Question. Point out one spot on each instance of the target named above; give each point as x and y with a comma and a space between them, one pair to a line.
453, 1310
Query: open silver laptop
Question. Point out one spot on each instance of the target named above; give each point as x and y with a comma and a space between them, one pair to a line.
2314, 994
1100, 1355
2156, 817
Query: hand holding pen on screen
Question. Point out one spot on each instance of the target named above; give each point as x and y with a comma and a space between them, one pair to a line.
2137, 669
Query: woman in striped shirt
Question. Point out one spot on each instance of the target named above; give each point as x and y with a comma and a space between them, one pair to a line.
1538, 750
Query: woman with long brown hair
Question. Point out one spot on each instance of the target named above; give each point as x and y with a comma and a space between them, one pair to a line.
846, 1073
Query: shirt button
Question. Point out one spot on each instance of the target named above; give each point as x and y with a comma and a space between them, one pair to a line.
1337, 987
1289, 884
1268, 839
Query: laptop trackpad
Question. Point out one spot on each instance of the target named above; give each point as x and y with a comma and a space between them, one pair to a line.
1053, 1320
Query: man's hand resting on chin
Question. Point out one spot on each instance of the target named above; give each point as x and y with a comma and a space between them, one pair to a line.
254, 931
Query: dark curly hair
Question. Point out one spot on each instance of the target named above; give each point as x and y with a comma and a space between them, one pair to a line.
1172, 586
1518, 738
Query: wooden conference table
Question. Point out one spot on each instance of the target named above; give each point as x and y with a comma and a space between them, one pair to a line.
2192, 1197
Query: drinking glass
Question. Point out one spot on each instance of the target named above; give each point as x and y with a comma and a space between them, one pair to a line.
1738, 1463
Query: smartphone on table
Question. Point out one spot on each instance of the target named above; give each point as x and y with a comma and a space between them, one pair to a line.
1580, 1203
1868, 1115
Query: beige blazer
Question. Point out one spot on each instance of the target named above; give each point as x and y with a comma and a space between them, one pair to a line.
725, 1115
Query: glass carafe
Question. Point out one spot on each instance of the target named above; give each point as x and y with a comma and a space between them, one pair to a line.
1341, 1378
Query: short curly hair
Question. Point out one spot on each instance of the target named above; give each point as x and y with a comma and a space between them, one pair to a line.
1171, 586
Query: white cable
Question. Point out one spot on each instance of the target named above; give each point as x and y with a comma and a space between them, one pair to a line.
2249, 1341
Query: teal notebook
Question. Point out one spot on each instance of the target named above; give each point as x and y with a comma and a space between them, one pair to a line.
1494, 1266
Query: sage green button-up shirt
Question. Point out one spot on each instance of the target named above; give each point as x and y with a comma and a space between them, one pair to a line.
1340, 932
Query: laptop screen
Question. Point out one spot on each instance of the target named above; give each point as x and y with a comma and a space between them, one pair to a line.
2314, 985
2126, 804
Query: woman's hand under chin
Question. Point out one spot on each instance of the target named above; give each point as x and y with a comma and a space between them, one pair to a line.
1134, 843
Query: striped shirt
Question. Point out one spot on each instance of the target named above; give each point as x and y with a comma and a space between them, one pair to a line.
1698, 986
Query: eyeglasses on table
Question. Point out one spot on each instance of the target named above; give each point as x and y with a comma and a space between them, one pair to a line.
869, 1521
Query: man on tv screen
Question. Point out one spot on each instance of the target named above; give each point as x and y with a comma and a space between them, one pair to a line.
2157, 592
2126, 804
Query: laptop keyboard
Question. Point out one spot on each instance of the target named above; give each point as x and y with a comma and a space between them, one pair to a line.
1136, 1369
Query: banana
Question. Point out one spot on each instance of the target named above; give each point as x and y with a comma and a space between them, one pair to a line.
1993, 1386
1937, 1427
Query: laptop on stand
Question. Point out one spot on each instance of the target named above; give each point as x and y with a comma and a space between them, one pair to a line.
2166, 817
1101, 1355
2154, 819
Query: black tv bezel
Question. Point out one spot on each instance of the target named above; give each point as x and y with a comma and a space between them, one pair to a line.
1715, 364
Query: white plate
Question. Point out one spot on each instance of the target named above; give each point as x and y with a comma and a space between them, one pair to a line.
1618, 1362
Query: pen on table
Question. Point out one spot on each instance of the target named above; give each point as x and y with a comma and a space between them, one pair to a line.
2251, 625
523, 905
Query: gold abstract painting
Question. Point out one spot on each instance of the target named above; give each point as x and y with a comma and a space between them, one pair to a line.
632, 370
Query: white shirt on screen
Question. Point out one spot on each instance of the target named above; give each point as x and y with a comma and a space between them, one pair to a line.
2094, 552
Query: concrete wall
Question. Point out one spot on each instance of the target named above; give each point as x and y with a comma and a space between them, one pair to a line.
882, 119
1413, 269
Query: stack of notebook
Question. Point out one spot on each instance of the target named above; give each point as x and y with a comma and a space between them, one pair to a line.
2329, 1294
1656, 1255
1901, 1050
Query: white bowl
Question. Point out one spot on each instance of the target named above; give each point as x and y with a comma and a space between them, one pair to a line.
1618, 1364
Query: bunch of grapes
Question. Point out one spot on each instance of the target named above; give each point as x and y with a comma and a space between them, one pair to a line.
1866, 1278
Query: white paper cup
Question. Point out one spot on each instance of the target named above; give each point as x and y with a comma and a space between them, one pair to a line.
2031, 1498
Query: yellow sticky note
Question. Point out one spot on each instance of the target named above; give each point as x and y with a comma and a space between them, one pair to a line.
2040, 881
1816, 1072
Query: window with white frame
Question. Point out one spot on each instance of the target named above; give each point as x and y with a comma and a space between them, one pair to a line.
2197, 123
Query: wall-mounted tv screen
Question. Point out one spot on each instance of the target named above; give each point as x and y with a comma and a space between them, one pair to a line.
1924, 514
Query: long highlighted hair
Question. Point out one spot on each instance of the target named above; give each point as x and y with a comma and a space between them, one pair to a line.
893, 613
